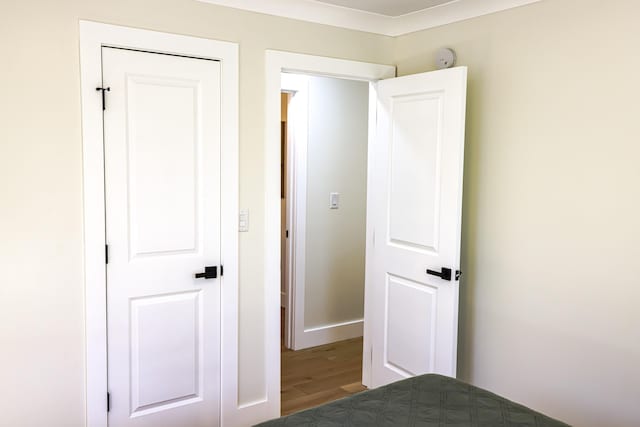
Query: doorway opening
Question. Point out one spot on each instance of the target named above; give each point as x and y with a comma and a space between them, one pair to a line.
413, 222
324, 146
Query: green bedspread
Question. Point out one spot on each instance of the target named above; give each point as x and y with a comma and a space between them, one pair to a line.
424, 401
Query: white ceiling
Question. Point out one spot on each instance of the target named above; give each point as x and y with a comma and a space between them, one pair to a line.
388, 7
386, 17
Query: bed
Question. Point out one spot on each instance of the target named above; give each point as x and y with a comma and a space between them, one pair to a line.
423, 401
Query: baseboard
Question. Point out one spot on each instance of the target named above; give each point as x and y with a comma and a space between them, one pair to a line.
328, 334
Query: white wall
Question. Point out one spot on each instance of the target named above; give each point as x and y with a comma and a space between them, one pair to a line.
42, 331
335, 238
549, 301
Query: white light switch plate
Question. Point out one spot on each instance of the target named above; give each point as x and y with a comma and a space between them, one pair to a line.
334, 200
243, 223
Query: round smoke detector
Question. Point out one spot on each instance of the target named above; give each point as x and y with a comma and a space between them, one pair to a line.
445, 58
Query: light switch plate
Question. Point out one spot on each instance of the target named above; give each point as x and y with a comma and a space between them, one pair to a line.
243, 223
334, 200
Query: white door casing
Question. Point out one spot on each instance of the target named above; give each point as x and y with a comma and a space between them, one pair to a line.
162, 186
416, 212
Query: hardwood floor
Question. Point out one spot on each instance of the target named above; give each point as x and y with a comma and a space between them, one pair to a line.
322, 374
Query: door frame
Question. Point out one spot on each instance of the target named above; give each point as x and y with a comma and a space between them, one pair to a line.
276, 63
93, 36
296, 188
294, 219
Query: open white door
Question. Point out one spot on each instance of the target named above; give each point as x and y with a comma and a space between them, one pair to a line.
416, 212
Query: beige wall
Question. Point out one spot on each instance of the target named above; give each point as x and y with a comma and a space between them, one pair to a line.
335, 238
41, 282
549, 302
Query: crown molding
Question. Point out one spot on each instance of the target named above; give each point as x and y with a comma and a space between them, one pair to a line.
344, 17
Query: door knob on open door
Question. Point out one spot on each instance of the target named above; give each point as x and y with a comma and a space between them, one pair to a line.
209, 273
444, 273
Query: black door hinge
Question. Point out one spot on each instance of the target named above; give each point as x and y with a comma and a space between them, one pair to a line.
103, 90
221, 270
286, 234
108, 401
106, 254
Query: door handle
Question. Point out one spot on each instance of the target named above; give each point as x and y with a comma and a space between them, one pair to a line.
444, 273
209, 273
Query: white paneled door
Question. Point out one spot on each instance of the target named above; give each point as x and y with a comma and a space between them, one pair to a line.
416, 214
162, 183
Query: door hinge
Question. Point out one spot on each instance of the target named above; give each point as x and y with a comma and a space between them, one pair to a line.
104, 101
221, 270
286, 234
106, 254
108, 401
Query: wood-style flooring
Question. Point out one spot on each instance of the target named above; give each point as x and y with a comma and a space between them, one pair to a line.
322, 374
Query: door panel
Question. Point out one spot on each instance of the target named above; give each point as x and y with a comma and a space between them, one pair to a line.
415, 163
159, 326
409, 328
416, 214
162, 224
162, 175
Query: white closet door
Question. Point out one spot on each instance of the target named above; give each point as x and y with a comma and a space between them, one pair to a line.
162, 175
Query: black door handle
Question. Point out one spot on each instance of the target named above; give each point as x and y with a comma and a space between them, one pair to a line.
209, 273
444, 273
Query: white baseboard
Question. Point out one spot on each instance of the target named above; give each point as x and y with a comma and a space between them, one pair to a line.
328, 334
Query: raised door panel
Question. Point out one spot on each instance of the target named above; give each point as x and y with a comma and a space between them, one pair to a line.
166, 351
414, 175
409, 326
163, 149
